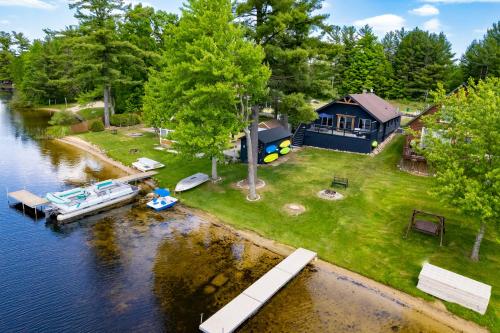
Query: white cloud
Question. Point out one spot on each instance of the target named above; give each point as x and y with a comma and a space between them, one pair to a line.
38, 4
433, 25
425, 10
460, 1
480, 31
382, 24
4, 22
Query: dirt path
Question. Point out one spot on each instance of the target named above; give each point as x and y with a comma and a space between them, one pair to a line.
435, 311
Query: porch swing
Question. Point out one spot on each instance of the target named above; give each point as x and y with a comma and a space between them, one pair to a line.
420, 222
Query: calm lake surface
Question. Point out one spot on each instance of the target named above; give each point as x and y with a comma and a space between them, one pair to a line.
133, 270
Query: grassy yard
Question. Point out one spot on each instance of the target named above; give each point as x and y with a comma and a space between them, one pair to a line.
91, 113
363, 232
409, 106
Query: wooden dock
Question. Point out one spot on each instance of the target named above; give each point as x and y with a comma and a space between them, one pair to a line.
26, 198
244, 306
137, 176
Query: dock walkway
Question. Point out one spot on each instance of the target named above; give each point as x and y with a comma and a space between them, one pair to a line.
137, 176
244, 306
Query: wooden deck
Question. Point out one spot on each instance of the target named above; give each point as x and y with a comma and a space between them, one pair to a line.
27, 198
137, 176
244, 306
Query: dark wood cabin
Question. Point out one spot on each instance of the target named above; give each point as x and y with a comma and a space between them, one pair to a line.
273, 143
356, 123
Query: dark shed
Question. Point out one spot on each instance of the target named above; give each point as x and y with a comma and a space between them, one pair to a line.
272, 144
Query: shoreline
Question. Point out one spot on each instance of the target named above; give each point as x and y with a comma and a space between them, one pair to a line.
436, 311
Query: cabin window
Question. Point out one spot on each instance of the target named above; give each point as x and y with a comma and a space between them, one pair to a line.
326, 121
365, 124
345, 122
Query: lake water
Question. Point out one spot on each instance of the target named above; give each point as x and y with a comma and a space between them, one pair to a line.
134, 270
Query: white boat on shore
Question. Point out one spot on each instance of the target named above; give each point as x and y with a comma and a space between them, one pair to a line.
146, 164
83, 201
191, 181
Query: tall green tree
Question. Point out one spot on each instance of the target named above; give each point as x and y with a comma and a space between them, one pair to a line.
462, 146
368, 66
421, 61
103, 55
144, 28
482, 58
6, 56
206, 67
285, 29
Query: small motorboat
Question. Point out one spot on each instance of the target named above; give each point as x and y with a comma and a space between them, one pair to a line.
146, 164
162, 200
191, 181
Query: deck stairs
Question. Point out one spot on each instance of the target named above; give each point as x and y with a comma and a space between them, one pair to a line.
298, 136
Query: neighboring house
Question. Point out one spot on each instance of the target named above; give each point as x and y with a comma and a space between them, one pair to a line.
412, 161
356, 123
273, 143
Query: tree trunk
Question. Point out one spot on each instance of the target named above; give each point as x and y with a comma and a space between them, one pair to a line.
106, 106
112, 104
254, 132
214, 169
284, 121
477, 244
252, 193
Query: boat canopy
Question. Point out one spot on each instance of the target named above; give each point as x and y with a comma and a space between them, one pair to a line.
162, 192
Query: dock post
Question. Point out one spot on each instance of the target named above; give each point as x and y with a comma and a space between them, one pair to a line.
22, 203
36, 217
201, 318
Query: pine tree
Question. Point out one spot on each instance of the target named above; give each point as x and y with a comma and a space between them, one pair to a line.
421, 61
482, 58
103, 55
368, 67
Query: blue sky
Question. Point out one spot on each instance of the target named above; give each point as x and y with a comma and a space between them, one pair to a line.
461, 20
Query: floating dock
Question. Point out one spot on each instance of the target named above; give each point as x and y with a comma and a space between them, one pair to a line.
136, 177
244, 306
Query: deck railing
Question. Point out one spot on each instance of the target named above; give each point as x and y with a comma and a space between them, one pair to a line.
332, 130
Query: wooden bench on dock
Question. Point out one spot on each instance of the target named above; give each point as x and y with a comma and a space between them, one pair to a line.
340, 181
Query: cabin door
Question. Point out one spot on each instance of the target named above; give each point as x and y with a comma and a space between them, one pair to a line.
345, 122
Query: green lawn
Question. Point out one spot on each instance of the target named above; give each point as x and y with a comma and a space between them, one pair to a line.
91, 113
409, 106
362, 233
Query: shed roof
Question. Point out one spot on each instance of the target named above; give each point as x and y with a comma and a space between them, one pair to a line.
271, 123
274, 134
378, 107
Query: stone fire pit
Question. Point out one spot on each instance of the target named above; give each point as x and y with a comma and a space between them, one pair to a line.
330, 195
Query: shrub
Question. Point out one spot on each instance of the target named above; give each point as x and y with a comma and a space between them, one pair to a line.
125, 119
97, 126
57, 131
63, 118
